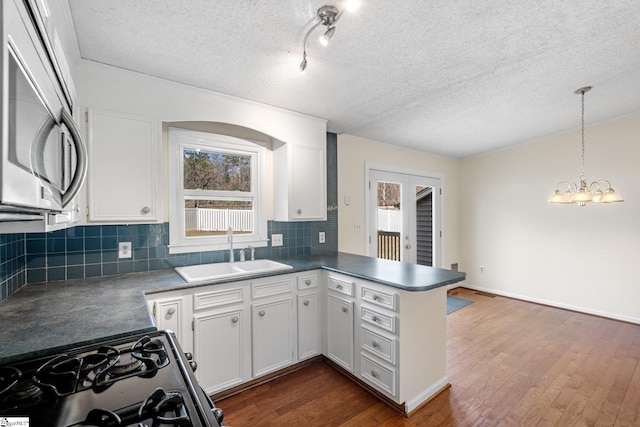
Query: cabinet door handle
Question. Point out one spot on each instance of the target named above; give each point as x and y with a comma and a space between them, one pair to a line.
374, 318
305, 302
307, 282
171, 310
261, 313
299, 211
145, 210
234, 319
345, 309
374, 374
374, 344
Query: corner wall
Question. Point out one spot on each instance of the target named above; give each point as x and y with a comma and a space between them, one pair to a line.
574, 257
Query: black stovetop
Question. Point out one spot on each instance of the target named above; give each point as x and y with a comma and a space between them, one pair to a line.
135, 381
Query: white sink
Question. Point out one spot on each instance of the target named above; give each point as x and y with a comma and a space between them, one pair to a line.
223, 270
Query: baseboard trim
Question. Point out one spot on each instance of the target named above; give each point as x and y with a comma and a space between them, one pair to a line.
266, 378
554, 304
427, 395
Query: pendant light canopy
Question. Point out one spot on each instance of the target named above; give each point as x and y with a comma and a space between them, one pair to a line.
599, 191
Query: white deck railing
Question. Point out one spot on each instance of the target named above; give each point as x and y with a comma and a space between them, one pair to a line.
218, 219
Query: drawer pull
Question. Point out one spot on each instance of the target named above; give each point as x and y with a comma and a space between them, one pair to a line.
374, 318
375, 297
375, 344
234, 319
307, 282
374, 374
345, 309
305, 302
261, 313
171, 310
338, 286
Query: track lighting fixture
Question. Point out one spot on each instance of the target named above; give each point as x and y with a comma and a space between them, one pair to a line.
327, 16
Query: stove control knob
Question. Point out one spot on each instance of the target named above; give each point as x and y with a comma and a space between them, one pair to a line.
218, 415
193, 364
188, 355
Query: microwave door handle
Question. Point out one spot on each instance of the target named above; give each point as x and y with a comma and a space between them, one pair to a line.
81, 161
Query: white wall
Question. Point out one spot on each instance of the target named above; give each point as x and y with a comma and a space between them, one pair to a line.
582, 258
353, 152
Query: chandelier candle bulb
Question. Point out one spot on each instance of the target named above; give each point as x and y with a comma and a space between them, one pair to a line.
583, 194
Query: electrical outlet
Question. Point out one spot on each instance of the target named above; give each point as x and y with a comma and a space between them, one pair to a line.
321, 237
124, 250
357, 227
276, 240
482, 269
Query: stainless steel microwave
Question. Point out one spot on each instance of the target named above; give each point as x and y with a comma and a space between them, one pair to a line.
43, 161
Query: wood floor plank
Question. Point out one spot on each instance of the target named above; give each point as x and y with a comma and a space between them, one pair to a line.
509, 363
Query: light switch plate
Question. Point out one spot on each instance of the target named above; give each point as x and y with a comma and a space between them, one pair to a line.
276, 240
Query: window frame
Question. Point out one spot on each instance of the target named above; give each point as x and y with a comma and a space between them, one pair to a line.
191, 139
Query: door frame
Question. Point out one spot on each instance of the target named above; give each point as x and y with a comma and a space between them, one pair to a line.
438, 207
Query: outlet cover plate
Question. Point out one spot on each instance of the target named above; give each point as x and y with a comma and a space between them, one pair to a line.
321, 237
276, 240
124, 250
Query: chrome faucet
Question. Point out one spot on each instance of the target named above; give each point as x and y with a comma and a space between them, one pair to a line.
253, 253
242, 255
230, 241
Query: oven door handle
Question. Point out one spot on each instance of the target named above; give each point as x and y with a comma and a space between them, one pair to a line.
81, 160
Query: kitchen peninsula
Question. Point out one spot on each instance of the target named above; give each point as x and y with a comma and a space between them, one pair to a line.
397, 313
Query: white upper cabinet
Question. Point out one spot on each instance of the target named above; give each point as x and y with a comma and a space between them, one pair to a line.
123, 179
300, 182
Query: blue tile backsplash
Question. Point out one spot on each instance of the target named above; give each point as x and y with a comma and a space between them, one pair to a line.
92, 251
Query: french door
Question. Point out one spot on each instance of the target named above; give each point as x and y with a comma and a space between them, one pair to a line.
404, 217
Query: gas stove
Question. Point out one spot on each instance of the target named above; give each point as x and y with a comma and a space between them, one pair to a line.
142, 381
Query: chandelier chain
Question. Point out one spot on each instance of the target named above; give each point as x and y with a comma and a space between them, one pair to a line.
582, 176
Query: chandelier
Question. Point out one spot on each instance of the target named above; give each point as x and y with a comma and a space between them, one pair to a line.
582, 194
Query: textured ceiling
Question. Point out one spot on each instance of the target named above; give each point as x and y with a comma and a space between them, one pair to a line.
456, 78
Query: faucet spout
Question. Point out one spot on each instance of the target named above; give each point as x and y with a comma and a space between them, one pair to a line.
230, 241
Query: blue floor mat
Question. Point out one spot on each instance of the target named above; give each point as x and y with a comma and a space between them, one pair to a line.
455, 303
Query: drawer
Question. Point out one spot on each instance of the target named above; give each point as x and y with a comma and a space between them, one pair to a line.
307, 282
267, 288
217, 298
383, 321
381, 298
381, 377
378, 345
341, 286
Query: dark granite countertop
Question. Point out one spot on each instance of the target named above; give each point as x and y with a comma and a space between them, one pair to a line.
48, 318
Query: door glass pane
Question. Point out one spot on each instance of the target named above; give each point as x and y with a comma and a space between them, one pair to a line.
204, 218
424, 225
389, 220
209, 170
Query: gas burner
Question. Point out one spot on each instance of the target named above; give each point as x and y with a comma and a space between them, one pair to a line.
159, 409
143, 359
9, 376
60, 374
25, 392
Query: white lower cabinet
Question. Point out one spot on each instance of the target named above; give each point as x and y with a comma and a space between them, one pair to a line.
271, 328
340, 331
219, 348
169, 314
308, 330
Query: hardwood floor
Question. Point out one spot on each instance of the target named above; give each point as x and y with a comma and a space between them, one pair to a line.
510, 363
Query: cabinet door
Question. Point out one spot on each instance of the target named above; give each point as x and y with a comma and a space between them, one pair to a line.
340, 331
308, 184
169, 314
308, 325
123, 174
218, 348
272, 343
